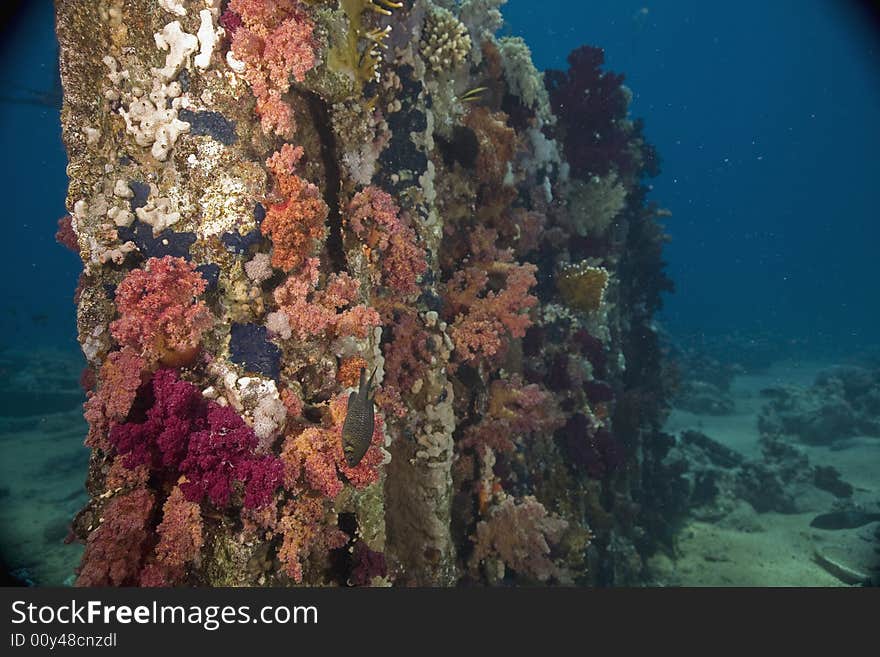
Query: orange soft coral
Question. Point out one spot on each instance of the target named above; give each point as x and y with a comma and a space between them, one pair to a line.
484, 320
314, 460
303, 526
296, 224
349, 371
497, 144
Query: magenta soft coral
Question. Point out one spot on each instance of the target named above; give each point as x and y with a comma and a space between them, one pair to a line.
221, 454
209, 444
591, 105
160, 315
375, 219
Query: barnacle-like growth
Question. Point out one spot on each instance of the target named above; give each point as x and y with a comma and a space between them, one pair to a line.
582, 286
445, 41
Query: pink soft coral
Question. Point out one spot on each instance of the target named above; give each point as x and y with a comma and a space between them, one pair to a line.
221, 454
407, 355
375, 219
521, 536
180, 541
275, 39
160, 316
312, 312
514, 410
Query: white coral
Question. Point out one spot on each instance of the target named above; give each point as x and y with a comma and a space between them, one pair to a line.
594, 204
523, 79
153, 123
180, 47
159, 212
209, 37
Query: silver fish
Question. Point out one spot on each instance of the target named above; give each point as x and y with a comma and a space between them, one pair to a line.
357, 430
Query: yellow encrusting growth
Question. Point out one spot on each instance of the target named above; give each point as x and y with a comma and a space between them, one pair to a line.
583, 286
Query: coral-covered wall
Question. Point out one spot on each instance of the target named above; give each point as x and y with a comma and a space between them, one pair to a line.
270, 196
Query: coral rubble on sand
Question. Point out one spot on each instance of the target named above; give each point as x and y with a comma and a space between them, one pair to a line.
308, 188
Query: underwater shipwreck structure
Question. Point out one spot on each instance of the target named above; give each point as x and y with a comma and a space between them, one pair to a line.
272, 197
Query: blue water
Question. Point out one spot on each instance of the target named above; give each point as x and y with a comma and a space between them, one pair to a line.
36, 305
765, 115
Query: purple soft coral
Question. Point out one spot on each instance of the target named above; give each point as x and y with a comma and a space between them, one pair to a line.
207, 443
592, 104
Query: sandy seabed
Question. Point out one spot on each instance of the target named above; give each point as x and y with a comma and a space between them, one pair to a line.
747, 548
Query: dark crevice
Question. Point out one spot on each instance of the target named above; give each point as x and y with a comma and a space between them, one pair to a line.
321, 121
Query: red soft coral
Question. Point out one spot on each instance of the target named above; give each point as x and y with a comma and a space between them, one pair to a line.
65, 234
116, 549
121, 376
160, 317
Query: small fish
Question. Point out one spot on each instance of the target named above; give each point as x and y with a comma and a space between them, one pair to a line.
846, 519
357, 430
